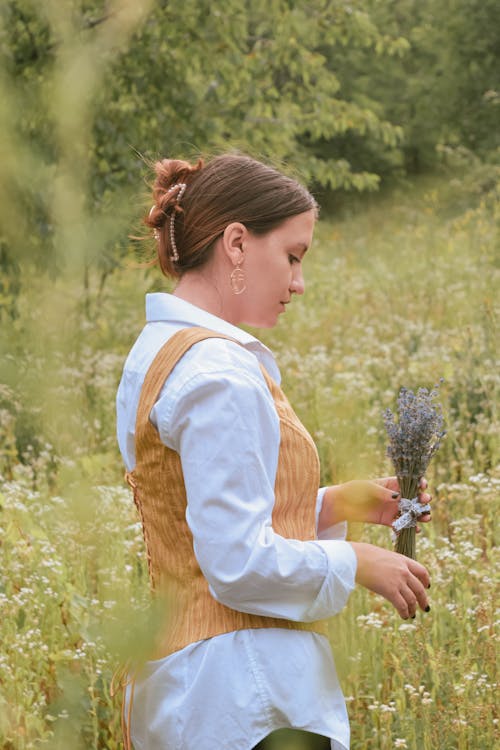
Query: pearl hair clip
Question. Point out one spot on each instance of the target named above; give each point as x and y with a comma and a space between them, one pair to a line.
181, 187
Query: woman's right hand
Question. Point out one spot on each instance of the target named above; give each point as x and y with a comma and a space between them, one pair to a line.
399, 579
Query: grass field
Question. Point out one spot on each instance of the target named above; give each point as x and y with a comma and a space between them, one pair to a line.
400, 291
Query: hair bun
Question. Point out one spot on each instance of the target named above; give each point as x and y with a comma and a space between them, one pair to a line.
169, 172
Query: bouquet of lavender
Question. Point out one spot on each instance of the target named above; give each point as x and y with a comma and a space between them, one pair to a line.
413, 440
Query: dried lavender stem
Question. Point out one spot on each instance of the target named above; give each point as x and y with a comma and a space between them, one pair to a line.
406, 541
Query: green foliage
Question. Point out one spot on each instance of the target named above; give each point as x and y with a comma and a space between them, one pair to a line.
252, 75
90, 88
442, 89
55, 57
341, 94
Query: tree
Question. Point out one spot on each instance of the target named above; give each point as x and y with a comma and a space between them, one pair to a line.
339, 93
444, 89
91, 87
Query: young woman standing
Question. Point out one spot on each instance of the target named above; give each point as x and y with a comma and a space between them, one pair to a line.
248, 550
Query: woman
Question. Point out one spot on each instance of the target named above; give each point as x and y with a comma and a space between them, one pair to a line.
249, 553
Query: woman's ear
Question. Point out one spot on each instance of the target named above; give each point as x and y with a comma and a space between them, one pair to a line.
233, 240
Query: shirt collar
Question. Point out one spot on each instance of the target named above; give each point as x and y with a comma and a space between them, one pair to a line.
161, 306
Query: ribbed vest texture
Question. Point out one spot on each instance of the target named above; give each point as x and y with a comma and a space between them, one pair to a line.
192, 614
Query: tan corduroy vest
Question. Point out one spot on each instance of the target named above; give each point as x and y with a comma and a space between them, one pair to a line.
160, 496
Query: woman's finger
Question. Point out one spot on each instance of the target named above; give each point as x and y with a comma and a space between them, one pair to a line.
390, 483
418, 571
424, 498
418, 593
425, 519
410, 600
399, 601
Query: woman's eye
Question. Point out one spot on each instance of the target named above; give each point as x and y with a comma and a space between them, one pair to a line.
293, 259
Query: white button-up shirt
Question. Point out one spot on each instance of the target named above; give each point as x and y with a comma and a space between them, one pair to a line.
232, 690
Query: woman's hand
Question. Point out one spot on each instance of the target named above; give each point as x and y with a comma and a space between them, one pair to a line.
399, 579
366, 501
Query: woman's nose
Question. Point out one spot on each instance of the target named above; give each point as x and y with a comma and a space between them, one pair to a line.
298, 285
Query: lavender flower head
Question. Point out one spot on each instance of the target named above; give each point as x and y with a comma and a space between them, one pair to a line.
413, 441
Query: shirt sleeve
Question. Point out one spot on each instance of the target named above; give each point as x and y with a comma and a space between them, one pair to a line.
337, 530
225, 427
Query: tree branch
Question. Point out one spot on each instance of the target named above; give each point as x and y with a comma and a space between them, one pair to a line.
91, 23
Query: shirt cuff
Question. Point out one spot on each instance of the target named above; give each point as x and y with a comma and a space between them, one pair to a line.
337, 531
339, 580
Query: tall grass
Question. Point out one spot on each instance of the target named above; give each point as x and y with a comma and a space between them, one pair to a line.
399, 293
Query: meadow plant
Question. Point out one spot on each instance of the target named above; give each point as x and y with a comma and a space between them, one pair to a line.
413, 440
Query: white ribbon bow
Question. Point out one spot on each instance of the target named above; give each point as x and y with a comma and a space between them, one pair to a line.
410, 511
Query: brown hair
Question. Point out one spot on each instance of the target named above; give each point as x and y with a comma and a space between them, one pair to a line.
228, 188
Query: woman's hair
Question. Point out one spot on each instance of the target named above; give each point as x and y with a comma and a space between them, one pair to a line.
193, 204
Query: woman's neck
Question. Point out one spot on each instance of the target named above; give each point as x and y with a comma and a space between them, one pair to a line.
203, 291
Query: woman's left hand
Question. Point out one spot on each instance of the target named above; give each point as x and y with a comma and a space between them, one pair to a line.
388, 509
367, 502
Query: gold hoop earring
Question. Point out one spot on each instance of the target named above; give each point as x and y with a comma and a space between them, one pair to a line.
237, 280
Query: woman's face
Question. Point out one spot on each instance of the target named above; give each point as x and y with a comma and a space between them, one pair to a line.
272, 265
